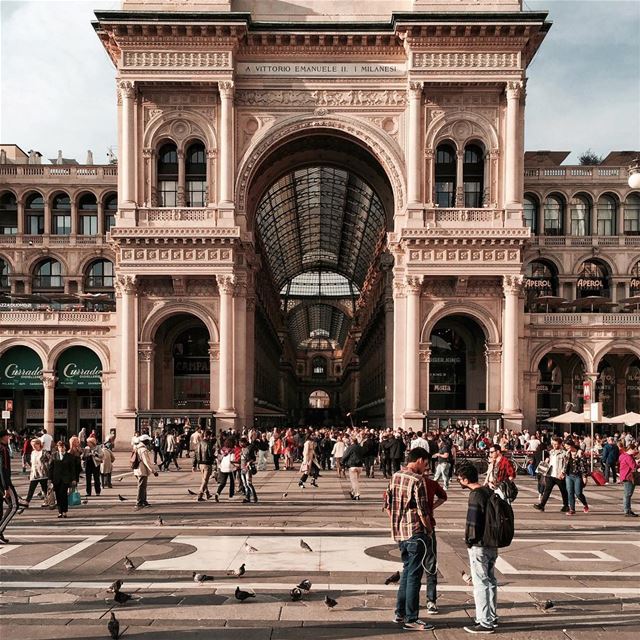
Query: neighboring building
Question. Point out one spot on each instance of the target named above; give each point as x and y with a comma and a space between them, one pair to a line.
316, 218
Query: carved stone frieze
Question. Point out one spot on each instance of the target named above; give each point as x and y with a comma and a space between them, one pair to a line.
464, 254
177, 59
322, 98
466, 60
178, 255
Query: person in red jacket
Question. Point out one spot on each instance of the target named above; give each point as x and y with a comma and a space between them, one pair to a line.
500, 468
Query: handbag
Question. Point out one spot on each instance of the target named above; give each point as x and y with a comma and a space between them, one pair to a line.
252, 468
543, 468
636, 478
50, 499
74, 498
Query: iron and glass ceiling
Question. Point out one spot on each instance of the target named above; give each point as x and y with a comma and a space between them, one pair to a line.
319, 227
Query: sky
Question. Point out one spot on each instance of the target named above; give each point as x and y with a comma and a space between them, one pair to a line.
57, 83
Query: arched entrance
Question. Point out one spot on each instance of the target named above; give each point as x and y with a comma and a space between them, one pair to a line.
320, 207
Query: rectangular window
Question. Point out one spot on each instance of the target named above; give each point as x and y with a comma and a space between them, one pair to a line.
472, 194
196, 193
89, 225
61, 225
168, 193
605, 223
632, 223
579, 222
109, 222
444, 194
35, 225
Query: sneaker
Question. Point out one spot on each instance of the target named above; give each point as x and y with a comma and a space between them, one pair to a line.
418, 625
539, 507
478, 628
585, 509
216, 497
570, 512
356, 497
432, 608
630, 514
494, 624
3, 540
138, 507
398, 619
301, 485
565, 509
199, 499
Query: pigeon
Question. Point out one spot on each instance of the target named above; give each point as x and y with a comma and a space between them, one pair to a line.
201, 577
284, 495
121, 597
85, 501
296, 594
121, 498
305, 546
115, 587
467, 578
394, 578
114, 626
159, 521
120, 479
128, 565
243, 595
305, 585
330, 602
546, 605
249, 549
191, 493
240, 571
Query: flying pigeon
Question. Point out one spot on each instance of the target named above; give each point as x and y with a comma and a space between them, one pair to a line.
114, 627
121, 597
243, 595
305, 546
394, 578
330, 602
305, 585
128, 565
201, 577
115, 587
296, 594
121, 498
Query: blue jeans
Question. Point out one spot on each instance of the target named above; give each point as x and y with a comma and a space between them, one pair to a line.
412, 553
574, 489
628, 488
482, 561
431, 567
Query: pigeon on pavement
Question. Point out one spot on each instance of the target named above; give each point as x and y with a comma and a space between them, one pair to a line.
121, 597
284, 495
296, 594
243, 595
240, 571
305, 546
128, 565
114, 626
159, 521
115, 587
394, 578
546, 605
201, 577
305, 585
121, 498
467, 578
330, 602
191, 493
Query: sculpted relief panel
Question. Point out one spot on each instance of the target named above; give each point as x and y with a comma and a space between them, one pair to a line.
321, 98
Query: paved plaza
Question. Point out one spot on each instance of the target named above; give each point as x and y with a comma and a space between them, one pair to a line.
55, 574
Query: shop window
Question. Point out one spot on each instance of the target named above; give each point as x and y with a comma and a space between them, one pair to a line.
540, 282
593, 280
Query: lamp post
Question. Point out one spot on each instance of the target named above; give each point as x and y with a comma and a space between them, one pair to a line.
634, 174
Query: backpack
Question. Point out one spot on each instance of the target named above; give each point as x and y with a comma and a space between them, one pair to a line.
499, 524
134, 459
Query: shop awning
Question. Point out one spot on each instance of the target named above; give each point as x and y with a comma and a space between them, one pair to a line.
20, 368
79, 368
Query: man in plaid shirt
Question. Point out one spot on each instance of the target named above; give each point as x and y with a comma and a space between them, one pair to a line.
406, 503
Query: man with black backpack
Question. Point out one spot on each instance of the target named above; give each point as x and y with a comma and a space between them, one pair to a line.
489, 526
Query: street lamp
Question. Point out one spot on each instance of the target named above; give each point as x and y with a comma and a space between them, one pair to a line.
634, 174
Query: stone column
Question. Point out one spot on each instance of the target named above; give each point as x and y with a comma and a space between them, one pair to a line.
386, 266
20, 214
182, 181
511, 285
100, 214
145, 363
226, 288
49, 385
425, 366
226, 142
511, 161
240, 348
127, 285
214, 377
412, 354
126, 161
149, 160
251, 357
493, 360
210, 197
47, 217
399, 345
414, 143
459, 178
74, 219
429, 156
492, 186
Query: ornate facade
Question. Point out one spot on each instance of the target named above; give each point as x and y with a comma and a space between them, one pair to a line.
316, 219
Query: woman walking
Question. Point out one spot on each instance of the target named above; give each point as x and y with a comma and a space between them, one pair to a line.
106, 466
576, 474
39, 474
226, 467
628, 465
308, 466
247, 463
62, 472
92, 460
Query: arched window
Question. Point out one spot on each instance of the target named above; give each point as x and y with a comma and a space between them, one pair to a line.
100, 275
88, 212
580, 211
593, 280
8, 214
445, 175
319, 367
168, 175
4, 274
541, 280
632, 215
110, 210
531, 209
319, 400
553, 216
47, 276
473, 172
34, 212
61, 215
196, 175
606, 222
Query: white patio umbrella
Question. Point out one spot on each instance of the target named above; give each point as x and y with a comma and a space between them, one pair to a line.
570, 417
629, 419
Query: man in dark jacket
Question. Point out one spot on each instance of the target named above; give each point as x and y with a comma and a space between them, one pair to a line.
353, 460
62, 473
609, 458
370, 446
398, 448
385, 455
204, 457
7, 489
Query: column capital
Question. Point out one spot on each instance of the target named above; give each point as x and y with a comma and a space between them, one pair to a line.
413, 284
226, 283
48, 380
429, 154
515, 89
512, 284
425, 355
493, 353
127, 88
212, 154
148, 152
126, 284
146, 351
226, 88
415, 90
214, 352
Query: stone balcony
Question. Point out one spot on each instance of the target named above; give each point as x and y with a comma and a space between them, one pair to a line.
177, 216
22, 241
585, 241
574, 174
33, 174
93, 319
583, 319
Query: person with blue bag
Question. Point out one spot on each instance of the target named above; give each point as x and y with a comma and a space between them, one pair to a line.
62, 475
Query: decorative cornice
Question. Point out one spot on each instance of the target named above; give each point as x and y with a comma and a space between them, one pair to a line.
177, 59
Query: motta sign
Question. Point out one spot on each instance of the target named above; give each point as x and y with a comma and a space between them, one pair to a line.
537, 283
321, 69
